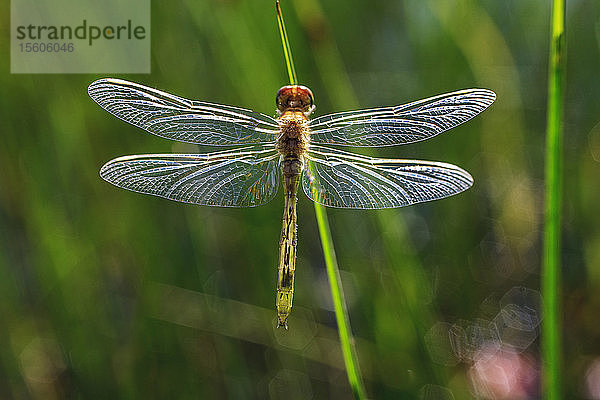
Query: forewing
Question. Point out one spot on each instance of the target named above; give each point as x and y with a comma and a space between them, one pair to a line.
346, 180
407, 123
176, 118
237, 178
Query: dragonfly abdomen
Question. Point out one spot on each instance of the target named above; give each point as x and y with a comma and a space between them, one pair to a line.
291, 168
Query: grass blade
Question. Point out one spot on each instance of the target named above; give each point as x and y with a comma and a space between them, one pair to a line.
551, 274
287, 51
339, 304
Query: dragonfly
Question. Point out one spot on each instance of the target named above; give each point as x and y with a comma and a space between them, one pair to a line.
262, 150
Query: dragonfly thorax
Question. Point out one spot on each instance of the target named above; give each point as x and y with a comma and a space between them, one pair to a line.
294, 137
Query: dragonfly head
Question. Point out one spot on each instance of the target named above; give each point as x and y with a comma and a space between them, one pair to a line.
295, 98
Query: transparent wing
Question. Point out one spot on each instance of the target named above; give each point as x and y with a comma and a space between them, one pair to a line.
244, 177
407, 123
176, 118
345, 180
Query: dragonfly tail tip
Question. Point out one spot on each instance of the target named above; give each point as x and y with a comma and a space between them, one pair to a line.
282, 324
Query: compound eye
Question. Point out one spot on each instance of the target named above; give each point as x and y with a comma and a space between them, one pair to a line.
308, 100
282, 97
308, 96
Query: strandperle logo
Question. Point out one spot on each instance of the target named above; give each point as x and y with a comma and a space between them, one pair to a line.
84, 31
80, 36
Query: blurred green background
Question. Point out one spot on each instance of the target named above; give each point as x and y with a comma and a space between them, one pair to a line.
106, 293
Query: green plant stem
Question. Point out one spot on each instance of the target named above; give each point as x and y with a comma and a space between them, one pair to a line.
551, 274
339, 305
287, 51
